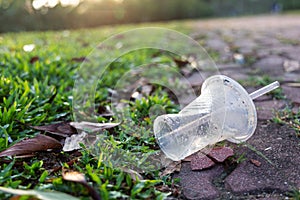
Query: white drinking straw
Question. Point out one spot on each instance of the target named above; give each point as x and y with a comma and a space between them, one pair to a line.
264, 90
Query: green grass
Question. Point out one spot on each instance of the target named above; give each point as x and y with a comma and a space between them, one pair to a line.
292, 12
287, 116
36, 89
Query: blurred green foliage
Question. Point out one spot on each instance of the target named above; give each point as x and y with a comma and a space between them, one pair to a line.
16, 15
37, 73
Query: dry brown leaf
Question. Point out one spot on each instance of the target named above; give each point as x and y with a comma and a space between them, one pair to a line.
63, 129
17, 197
255, 162
293, 84
73, 176
34, 59
79, 59
32, 145
78, 177
72, 142
291, 65
171, 168
92, 127
181, 62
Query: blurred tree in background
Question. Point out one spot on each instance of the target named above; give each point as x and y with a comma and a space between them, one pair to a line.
24, 15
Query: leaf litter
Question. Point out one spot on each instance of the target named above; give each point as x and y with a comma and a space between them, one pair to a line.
31, 145
68, 130
171, 168
43, 195
78, 177
85, 130
63, 129
92, 127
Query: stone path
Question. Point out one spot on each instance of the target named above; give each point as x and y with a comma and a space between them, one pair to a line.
253, 50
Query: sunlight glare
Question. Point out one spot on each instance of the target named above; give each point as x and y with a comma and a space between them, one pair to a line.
38, 4
119, 1
28, 47
52, 3
69, 2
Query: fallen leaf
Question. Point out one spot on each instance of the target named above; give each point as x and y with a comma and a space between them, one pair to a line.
181, 62
293, 84
78, 177
92, 127
25, 156
32, 145
220, 154
255, 162
174, 166
72, 142
63, 129
291, 65
200, 161
73, 176
43, 195
34, 59
79, 59
104, 112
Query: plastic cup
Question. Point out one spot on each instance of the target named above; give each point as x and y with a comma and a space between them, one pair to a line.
223, 111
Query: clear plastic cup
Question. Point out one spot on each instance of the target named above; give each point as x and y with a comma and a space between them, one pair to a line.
224, 110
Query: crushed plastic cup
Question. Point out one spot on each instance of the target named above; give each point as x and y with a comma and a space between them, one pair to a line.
223, 111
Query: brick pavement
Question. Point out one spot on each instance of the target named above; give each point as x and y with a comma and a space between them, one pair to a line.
270, 46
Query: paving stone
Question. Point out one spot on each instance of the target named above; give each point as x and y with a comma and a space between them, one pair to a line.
196, 79
271, 45
277, 143
266, 109
198, 184
262, 52
228, 66
245, 45
220, 154
216, 44
236, 74
291, 77
282, 49
293, 53
200, 161
292, 93
271, 65
291, 34
267, 41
